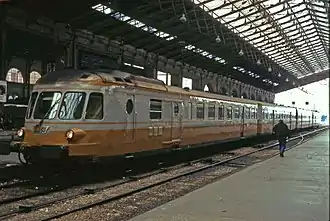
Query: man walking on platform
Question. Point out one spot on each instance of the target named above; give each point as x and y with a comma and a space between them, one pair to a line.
282, 132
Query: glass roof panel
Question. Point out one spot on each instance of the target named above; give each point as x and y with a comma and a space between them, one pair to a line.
294, 18
138, 24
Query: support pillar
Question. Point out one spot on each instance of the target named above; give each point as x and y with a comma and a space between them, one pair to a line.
197, 84
3, 36
176, 80
71, 57
27, 85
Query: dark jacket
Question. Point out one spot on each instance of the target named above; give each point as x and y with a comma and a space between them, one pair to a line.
281, 130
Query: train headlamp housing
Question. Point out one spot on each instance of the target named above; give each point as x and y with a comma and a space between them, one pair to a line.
20, 133
69, 135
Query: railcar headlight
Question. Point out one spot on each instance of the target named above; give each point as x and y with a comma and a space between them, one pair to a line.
69, 134
20, 132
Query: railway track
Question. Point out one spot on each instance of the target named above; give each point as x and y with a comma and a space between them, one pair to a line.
116, 190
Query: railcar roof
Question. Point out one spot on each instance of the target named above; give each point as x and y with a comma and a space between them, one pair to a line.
106, 76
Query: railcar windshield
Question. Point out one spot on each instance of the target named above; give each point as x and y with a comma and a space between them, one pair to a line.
47, 105
72, 106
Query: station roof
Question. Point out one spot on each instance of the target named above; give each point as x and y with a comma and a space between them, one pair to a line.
273, 42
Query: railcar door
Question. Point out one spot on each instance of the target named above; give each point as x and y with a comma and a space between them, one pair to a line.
176, 121
130, 118
290, 118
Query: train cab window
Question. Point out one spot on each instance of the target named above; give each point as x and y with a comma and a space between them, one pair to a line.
247, 113
72, 106
200, 110
47, 105
229, 113
31, 104
155, 109
236, 113
129, 106
94, 108
221, 113
211, 111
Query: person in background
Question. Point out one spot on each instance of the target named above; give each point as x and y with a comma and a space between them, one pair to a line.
282, 132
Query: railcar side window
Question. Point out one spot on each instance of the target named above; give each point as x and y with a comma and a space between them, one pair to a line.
211, 111
31, 104
253, 113
72, 106
94, 108
200, 110
237, 113
229, 112
247, 113
129, 106
47, 105
176, 109
221, 113
155, 109
265, 114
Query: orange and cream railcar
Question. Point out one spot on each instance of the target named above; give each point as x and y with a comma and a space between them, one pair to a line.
110, 113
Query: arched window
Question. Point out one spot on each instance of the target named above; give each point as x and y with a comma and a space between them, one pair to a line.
14, 75
34, 76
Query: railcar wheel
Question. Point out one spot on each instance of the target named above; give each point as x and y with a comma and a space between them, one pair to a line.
23, 158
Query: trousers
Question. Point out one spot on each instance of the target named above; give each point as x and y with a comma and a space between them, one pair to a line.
282, 144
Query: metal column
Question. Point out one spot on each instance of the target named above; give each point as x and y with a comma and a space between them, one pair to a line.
3, 33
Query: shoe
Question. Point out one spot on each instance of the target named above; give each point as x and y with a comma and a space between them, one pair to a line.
281, 154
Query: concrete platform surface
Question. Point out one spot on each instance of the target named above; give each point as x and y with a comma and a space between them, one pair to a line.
293, 188
9, 159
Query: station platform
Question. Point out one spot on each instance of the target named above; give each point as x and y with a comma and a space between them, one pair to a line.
293, 188
9, 159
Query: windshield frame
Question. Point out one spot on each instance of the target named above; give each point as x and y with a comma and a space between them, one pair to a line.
30, 107
60, 102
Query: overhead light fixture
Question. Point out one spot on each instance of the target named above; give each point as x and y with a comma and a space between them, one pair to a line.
183, 18
269, 69
279, 75
287, 80
182, 43
241, 52
258, 62
218, 39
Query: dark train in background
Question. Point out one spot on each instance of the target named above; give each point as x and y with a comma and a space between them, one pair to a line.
13, 116
105, 113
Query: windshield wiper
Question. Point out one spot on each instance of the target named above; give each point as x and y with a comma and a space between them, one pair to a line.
51, 108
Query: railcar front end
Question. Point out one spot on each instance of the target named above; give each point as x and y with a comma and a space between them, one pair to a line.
61, 122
